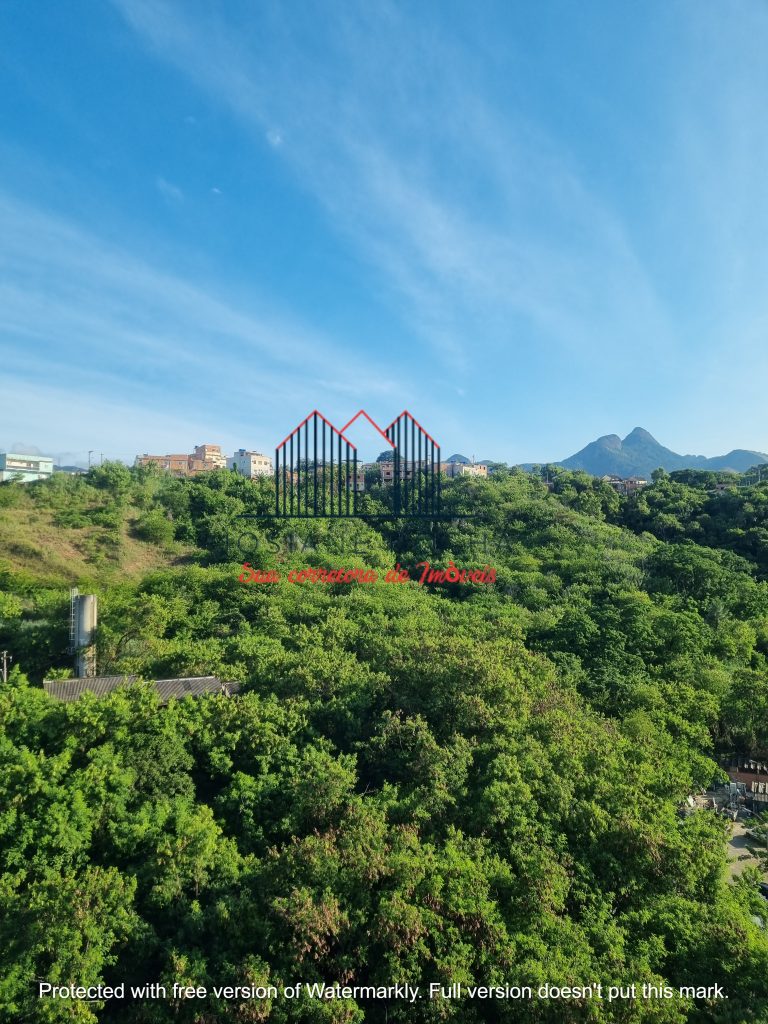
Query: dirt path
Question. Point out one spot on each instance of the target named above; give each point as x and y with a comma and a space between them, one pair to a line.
740, 856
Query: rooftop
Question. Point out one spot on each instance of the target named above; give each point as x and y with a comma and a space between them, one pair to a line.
193, 686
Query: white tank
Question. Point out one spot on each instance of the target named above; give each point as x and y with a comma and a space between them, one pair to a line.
86, 618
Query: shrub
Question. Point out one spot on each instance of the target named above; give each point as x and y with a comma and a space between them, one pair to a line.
154, 527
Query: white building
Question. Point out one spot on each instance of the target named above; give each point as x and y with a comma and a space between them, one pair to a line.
250, 464
464, 468
25, 468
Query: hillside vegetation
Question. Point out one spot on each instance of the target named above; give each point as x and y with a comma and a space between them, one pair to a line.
474, 783
71, 530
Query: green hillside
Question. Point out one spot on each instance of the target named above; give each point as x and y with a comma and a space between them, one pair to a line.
41, 537
475, 783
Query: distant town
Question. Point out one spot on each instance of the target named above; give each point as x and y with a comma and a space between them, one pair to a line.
625, 464
206, 458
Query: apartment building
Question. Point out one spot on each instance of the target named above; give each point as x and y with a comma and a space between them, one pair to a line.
177, 465
204, 458
251, 464
406, 469
210, 455
451, 469
25, 468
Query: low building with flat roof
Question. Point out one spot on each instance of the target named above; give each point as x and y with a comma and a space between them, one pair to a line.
203, 459
456, 468
25, 468
623, 486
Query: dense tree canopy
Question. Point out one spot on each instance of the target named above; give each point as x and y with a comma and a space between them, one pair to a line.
476, 783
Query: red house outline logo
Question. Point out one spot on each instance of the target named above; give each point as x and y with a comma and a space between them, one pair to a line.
316, 469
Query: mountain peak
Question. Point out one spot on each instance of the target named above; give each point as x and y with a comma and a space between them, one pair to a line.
639, 436
609, 441
640, 453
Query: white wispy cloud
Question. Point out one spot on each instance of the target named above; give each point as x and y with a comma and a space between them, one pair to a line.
488, 239
395, 163
168, 191
118, 331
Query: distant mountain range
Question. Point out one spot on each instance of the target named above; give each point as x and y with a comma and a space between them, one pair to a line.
639, 453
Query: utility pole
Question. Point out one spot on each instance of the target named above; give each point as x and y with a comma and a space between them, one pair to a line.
6, 658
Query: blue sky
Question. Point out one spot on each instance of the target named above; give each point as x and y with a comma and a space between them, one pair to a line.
530, 224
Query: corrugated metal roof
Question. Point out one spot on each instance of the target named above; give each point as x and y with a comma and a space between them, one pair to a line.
100, 686
192, 686
71, 689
